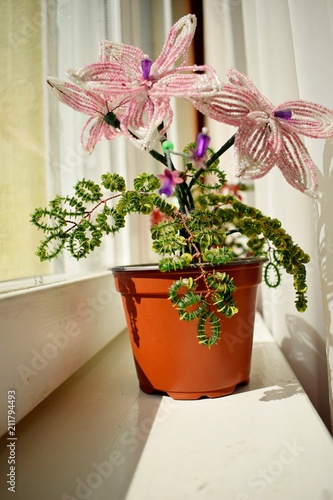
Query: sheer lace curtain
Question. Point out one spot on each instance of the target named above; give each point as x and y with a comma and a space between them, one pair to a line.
286, 48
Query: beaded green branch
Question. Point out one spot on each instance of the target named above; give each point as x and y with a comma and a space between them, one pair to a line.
196, 233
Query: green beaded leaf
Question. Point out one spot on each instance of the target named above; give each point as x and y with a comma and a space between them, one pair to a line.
113, 182
191, 306
47, 221
217, 177
223, 286
110, 221
180, 288
167, 238
51, 247
84, 239
272, 275
209, 319
128, 203
164, 207
87, 190
68, 205
56, 216
256, 244
173, 263
135, 202
219, 255
146, 205
146, 183
169, 245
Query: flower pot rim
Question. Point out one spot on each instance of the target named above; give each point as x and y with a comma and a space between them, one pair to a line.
154, 267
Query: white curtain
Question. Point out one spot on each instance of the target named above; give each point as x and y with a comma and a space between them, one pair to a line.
286, 48
72, 36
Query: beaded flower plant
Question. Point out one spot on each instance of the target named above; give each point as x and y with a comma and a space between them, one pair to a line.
126, 93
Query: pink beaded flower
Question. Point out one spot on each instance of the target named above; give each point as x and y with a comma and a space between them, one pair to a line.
126, 77
90, 104
269, 135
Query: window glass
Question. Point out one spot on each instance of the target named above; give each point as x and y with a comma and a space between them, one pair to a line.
41, 154
22, 137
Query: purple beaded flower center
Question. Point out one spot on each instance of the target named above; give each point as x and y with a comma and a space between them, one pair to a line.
146, 65
285, 114
202, 144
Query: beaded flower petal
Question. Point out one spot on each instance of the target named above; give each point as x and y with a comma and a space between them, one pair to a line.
169, 181
268, 135
142, 87
90, 104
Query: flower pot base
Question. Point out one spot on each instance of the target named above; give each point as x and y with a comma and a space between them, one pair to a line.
193, 395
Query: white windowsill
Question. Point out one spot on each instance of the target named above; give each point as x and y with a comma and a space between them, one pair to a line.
98, 437
49, 330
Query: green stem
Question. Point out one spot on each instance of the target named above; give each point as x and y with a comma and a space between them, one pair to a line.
183, 192
227, 145
155, 154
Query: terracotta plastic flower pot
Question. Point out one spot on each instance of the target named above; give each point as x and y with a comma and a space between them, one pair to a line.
167, 354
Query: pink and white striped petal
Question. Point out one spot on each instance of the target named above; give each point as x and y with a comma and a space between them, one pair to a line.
99, 129
140, 123
177, 44
257, 145
127, 56
308, 118
297, 166
188, 82
77, 98
105, 78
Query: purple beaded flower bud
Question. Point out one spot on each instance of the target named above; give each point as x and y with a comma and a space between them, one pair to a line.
146, 65
203, 141
285, 114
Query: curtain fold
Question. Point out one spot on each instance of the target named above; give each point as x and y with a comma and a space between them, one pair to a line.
285, 48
